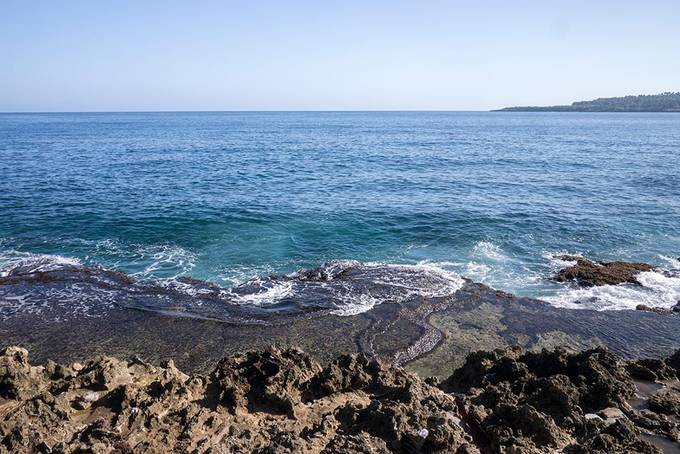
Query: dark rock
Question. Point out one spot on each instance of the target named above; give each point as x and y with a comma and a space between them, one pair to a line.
659, 424
656, 310
674, 362
358, 372
588, 273
268, 380
356, 444
597, 375
650, 370
543, 401
621, 437
513, 426
666, 401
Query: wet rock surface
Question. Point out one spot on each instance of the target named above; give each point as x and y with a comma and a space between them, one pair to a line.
422, 333
590, 273
674, 310
281, 400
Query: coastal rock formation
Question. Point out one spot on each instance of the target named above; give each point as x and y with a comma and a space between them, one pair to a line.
412, 316
659, 310
506, 400
655, 310
588, 273
528, 401
270, 401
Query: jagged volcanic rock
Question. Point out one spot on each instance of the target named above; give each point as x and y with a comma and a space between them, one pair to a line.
508, 401
526, 402
270, 401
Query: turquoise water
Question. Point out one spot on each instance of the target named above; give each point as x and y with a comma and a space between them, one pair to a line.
227, 197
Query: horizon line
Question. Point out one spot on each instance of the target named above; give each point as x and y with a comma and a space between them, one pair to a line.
238, 111
501, 111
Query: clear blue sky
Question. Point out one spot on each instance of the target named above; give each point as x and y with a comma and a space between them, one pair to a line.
302, 55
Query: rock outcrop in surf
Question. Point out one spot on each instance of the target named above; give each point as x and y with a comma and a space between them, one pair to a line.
506, 400
588, 273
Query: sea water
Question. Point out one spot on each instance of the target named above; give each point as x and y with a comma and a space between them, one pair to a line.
233, 197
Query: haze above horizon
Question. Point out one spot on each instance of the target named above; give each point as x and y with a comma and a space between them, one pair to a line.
302, 55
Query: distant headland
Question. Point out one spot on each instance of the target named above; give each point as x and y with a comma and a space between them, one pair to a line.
664, 102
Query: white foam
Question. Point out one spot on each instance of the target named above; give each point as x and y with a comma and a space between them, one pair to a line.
73, 300
241, 273
439, 283
557, 263
13, 261
656, 290
488, 250
149, 260
271, 294
673, 262
450, 282
155, 260
356, 305
488, 263
184, 287
358, 294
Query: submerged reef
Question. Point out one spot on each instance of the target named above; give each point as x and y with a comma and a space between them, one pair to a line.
282, 400
413, 316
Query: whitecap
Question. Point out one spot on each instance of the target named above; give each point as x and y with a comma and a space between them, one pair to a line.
187, 288
557, 263
656, 290
350, 287
356, 305
268, 294
673, 262
401, 281
488, 250
12, 262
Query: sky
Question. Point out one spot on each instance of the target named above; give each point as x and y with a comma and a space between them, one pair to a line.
331, 55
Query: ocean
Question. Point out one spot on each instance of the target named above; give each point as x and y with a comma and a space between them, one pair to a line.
234, 197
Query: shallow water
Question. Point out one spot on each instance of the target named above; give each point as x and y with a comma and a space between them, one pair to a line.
231, 197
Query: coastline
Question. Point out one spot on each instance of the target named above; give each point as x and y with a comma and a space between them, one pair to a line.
420, 331
249, 377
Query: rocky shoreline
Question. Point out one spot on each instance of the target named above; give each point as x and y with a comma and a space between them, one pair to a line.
507, 400
507, 374
77, 312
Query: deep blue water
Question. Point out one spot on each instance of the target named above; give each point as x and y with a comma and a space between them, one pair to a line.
229, 196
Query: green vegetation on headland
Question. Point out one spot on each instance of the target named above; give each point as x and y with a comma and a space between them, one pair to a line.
664, 102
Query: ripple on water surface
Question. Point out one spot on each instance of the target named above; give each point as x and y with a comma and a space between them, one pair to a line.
231, 197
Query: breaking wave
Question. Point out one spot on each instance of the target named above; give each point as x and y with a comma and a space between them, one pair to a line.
656, 289
17, 262
341, 287
659, 288
349, 287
